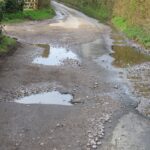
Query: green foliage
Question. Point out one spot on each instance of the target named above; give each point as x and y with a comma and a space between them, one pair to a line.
120, 22
39, 14
133, 15
12, 6
93, 8
2, 5
101, 14
7, 42
1, 17
28, 14
134, 32
43, 4
11, 11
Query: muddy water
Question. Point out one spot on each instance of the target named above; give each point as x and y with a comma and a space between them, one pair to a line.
124, 53
122, 56
53, 98
126, 56
54, 56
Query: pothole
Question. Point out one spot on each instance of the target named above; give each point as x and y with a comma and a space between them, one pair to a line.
126, 56
52, 98
54, 56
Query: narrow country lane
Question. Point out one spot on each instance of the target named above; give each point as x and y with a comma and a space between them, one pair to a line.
60, 91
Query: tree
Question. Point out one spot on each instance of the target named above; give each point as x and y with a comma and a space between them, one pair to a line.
1, 17
43, 4
12, 6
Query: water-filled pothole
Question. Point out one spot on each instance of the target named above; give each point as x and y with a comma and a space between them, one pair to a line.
54, 55
52, 98
126, 55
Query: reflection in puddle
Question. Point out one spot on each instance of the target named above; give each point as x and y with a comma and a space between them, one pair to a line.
93, 49
54, 98
54, 55
125, 55
46, 50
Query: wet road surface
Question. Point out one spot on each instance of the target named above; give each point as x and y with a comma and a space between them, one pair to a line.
102, 115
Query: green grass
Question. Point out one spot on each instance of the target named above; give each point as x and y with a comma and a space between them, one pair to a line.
5, 44
28, 15
101, 14
133, 32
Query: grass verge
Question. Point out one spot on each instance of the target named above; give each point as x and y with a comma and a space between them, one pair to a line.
96, 12
6, 45
133, 32
28, 15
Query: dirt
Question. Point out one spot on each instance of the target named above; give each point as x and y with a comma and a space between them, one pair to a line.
102, 101
139, 75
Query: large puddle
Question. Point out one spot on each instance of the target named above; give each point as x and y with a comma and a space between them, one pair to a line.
126, 56
54, 55
53, 98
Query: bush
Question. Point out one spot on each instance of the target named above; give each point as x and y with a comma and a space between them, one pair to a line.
12, 6
43, 4
2, 5
134, 32
1, 17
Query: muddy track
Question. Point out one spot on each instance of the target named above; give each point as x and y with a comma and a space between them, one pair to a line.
70, 55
